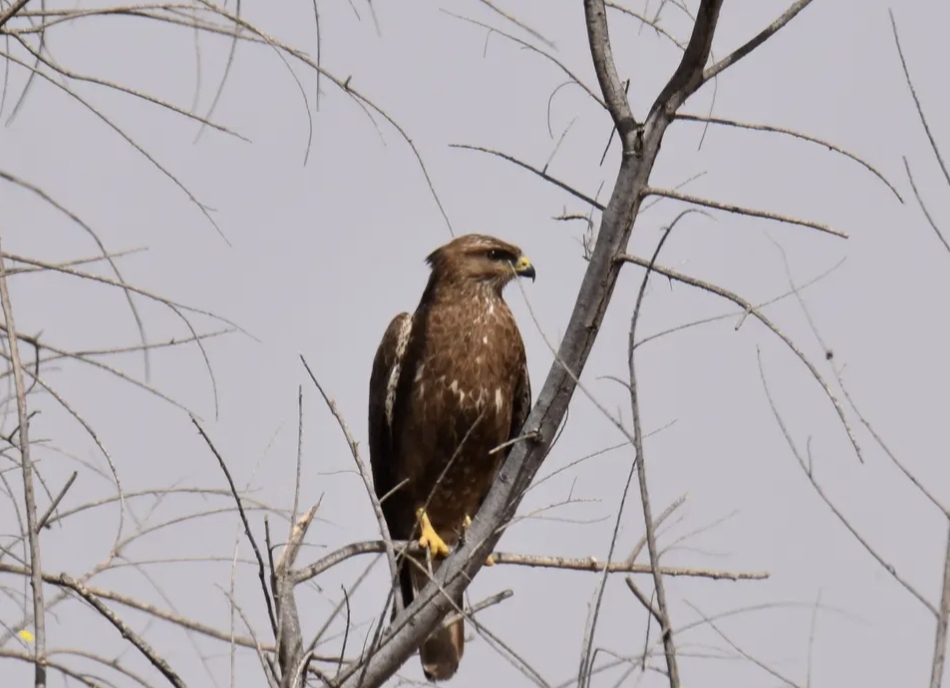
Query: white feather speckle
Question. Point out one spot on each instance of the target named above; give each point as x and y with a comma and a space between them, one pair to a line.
499, 402
401, 343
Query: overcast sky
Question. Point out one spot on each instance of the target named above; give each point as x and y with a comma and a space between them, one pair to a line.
326, 218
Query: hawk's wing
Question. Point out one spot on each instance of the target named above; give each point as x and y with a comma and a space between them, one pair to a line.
521, 403
382, 396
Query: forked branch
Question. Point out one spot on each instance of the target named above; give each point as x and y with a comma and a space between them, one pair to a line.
640, 148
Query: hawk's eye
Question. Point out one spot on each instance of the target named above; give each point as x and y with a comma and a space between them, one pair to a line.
498, 254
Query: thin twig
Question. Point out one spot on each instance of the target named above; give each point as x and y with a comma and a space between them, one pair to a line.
151, 610
365, 475
913, 93
26, 468
750, 308
795, 134
247, 526
756, 41
541, 173
663, 610
809, 473
740, 210
497, 598
644, 600
126, 632
658, 521
56, 501
762, 665
924, 208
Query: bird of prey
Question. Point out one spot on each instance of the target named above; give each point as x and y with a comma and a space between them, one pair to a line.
449, 385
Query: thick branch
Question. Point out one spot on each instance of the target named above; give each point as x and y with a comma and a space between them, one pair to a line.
598, 36
689, 74
434, 601
291, 656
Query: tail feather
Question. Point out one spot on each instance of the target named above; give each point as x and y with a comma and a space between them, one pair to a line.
442, 651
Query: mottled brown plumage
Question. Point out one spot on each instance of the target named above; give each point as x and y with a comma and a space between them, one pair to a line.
449, 385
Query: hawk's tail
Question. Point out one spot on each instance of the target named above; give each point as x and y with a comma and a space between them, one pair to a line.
442, 651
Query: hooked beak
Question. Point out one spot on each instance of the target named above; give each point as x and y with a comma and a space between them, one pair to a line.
524, 268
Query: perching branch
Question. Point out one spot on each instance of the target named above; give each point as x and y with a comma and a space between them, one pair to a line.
640, 153
531, 560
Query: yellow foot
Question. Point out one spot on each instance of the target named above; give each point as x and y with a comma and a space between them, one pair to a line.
490, 561
429, 539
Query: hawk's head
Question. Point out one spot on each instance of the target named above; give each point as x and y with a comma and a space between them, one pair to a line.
480, 258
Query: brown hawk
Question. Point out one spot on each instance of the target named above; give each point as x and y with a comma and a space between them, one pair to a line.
449, 385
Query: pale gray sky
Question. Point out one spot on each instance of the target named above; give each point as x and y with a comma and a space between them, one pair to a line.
322, 255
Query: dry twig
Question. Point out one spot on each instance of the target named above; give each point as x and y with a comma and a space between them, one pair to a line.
27, 470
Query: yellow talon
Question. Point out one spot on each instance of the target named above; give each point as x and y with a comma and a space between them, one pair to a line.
490, 561
429, 539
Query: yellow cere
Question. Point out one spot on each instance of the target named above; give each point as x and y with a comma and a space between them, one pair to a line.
26, 635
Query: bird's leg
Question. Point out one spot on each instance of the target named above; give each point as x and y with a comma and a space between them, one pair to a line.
490, 561
428, 538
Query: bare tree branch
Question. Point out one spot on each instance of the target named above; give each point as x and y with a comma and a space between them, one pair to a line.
598, 37
913, 93
750, 308
662, 611
247, 526
11, 11
123, 628
367, 480
806, 468
27, 470
522, 463
795, 134
56, 501
531, 560
943, 620
757, 40
739, 210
